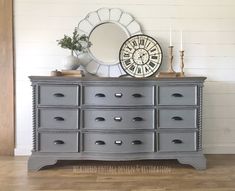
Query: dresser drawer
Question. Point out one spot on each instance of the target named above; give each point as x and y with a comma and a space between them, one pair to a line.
58, 142
118, 142
58, 95
177, 95
177, 118
103, 95
177, 142
58, 118
118, 119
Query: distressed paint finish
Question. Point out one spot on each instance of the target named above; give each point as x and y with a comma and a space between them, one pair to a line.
113, 143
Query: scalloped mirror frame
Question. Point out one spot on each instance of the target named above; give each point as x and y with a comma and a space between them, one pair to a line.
99, 17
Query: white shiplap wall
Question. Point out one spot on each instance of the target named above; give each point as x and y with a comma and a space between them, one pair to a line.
209, 43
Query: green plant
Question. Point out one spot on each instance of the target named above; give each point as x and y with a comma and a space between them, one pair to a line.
76, 43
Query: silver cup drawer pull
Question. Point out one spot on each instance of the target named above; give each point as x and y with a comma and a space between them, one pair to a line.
117, 119
118, 95
118, 142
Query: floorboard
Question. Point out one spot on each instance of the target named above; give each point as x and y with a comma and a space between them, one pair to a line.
220, 176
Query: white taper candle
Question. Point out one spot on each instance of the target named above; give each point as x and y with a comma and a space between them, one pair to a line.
170, 37
181, 40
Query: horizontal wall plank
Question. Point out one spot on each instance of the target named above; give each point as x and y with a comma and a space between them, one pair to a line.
160, 11
37, 24
225, 75
219, 87
152, 2
188, 24
154, 25
219, 112
51, 30
219, 148
216, 62
219, 100
211, 124
193, 50
219, 136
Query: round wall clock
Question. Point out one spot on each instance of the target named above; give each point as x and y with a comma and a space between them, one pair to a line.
140, 56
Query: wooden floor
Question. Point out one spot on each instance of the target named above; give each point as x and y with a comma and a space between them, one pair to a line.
220, 176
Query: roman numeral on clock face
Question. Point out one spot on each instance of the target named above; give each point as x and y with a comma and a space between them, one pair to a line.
128, 62
126, 55
134, 43
142, 42
148, 44
153, 50
129, 48
146, 69
152, 64
154, 57
132, 68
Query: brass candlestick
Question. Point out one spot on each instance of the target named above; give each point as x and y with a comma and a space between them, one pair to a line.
181, 74
170, 72
170, 59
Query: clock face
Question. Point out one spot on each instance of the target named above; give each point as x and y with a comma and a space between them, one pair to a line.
140, 56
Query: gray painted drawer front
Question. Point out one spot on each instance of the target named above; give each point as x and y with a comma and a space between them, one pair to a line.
177, 141
58, 95
58, 142
103, 95
118, 142
177, 95
120, 119
58, 118
177, 118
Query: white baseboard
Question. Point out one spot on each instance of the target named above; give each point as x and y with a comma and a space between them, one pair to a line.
207, 149
22, 151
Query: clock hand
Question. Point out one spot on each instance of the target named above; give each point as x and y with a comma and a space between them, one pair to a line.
140, 56
142, 59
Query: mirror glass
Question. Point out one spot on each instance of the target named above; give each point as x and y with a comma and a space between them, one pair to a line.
106, 40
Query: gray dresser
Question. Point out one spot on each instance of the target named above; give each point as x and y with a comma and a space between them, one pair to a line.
116, 119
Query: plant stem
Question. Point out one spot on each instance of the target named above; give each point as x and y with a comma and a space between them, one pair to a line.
76, 53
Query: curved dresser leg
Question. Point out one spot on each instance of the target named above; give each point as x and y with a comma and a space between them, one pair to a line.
35, 163
198, 162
